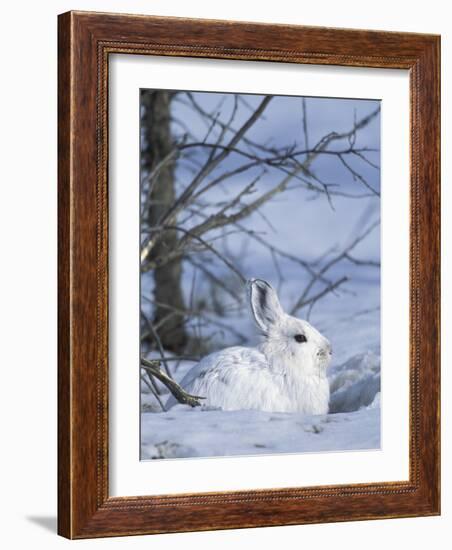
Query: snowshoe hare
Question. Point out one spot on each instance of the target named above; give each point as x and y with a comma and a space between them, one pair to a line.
285, 373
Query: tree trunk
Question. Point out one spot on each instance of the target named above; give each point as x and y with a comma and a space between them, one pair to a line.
167, 279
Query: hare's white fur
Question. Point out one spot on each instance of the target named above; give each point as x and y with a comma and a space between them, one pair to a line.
280, 375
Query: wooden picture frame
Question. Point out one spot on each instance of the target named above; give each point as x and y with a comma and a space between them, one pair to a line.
85, 508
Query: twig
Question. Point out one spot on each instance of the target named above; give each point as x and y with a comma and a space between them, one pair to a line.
197, 313
344, 254
357, 176
192, 235
228, 125
305, 122
366, 160
158, 342
355, 261
193, 358
306, 265
152, 176
215, 279
327, 290
177, 391
213, 163
153, 391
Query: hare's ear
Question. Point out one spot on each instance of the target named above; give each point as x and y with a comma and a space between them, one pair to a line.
265, 305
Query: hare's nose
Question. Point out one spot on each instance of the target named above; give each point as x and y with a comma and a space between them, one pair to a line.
329, 348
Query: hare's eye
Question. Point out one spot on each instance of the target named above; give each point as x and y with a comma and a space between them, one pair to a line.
300, 338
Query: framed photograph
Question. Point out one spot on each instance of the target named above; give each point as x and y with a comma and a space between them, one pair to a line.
249, 260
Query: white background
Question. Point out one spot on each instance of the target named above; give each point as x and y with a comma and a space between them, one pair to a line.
28, 271
128, 476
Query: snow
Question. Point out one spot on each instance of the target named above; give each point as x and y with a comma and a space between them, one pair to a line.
353, 423
188, 433
355, 384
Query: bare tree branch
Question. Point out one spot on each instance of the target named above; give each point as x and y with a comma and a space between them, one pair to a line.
302, 301
219, 282
153, 390
177, 391
305, 122
322, 293
192, 235
206, 317
357, 176
158, 342
202, 220
213, 163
